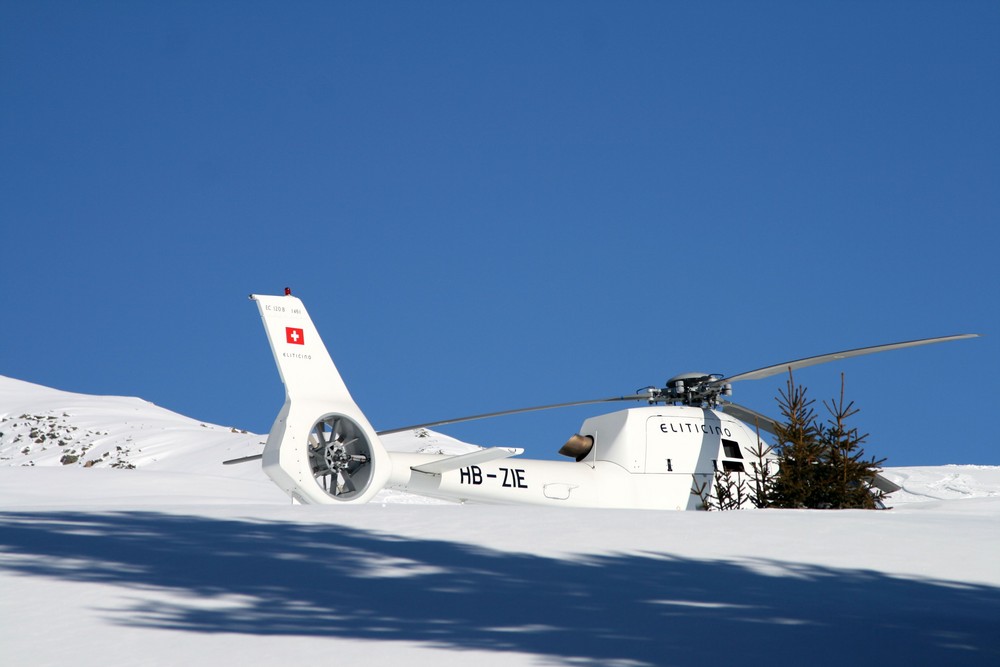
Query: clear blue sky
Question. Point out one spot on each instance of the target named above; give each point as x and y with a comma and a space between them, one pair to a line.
489, 205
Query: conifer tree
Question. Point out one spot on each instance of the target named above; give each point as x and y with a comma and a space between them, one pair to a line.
730, 492
797, 441
849, 475
821, 466
763, 474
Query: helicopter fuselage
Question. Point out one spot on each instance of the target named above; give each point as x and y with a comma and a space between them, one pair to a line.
644, 458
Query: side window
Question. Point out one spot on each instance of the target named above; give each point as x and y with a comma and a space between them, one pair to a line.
731, 449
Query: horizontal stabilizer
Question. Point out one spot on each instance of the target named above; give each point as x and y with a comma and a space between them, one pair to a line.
885, 485
462, 460
243, 459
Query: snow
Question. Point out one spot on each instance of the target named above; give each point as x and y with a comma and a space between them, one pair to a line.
945, 482
182, 560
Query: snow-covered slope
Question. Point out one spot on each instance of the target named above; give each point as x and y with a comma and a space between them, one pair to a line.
182, 560
45, 427
951, 482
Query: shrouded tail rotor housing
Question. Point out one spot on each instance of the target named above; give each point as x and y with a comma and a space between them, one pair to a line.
340, 456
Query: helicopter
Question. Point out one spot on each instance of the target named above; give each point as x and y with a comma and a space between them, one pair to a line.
323, 450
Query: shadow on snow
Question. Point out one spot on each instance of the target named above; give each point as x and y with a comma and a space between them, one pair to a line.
327, 580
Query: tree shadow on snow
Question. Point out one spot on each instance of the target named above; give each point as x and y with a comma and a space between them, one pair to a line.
656, 609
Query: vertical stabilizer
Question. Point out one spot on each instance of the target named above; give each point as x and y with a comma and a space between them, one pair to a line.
321, 448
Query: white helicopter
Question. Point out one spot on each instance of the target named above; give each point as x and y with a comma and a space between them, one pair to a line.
323, 450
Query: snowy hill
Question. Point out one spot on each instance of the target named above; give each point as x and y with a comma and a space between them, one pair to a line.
46, 427
43, 426
124, 541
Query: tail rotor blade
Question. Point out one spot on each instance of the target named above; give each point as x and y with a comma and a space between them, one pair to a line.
318, 431
348, 485
338, 431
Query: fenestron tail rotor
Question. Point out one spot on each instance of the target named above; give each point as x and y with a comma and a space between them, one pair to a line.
340, 456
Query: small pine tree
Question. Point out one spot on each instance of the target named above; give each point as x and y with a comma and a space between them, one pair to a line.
797, 441
730, 492
764, 474
704, 492
849, 475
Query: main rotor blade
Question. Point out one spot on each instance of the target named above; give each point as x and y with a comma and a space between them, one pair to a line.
750, 417
768, 371
488, 415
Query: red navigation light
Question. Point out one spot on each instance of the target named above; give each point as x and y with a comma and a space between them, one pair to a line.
288, 291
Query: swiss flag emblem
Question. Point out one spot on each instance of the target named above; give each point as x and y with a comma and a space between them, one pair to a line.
294, 336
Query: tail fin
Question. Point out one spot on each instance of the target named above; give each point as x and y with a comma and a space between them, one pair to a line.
321, 449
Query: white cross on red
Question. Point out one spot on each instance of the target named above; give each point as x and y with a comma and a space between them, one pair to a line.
294, 336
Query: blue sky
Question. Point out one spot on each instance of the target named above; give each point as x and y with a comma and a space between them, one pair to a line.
490, 205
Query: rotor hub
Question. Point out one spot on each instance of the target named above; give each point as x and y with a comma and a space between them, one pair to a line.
692, 389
